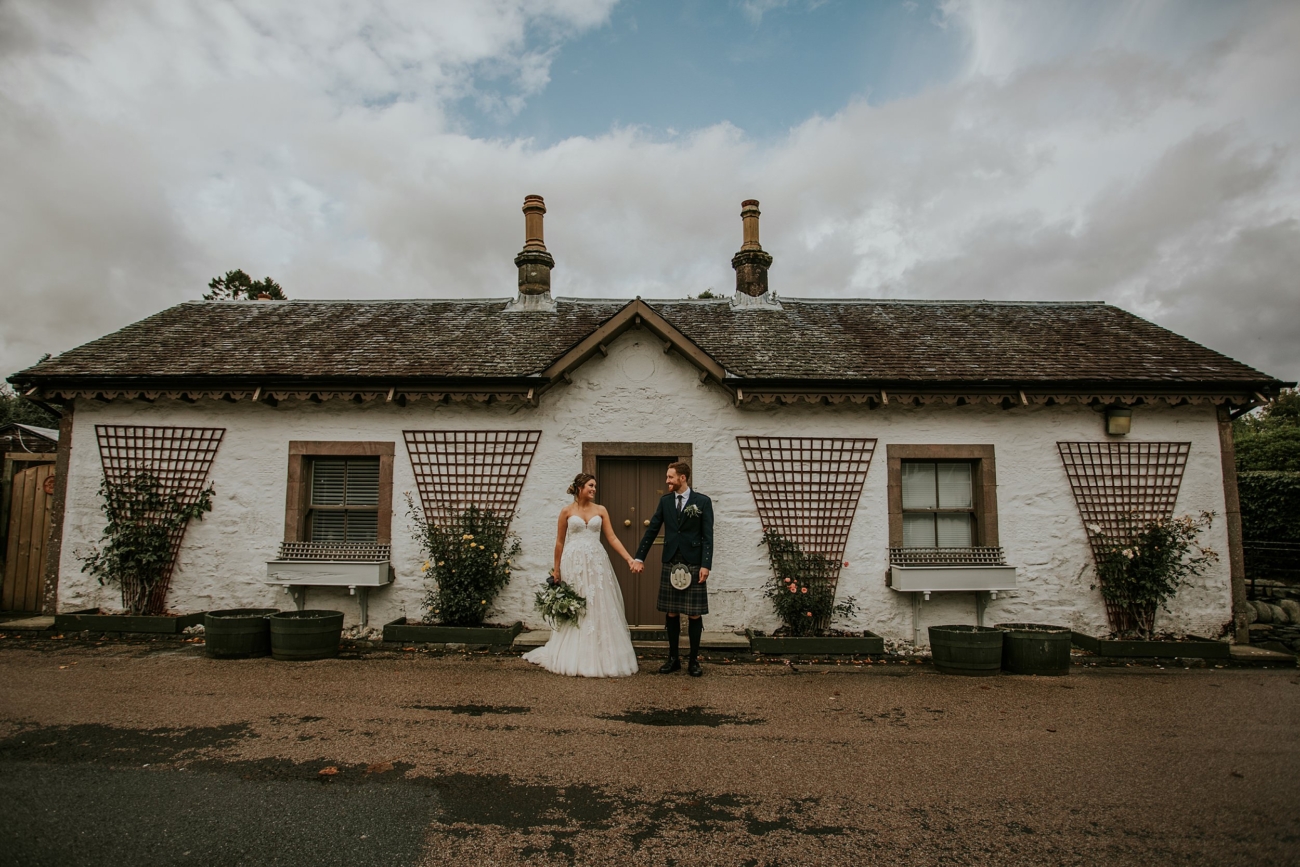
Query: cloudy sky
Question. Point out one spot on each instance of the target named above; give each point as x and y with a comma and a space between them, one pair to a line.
1144, 154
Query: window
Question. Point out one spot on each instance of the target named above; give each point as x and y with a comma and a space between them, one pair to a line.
938, 504
339, 493
344, 500
942, 497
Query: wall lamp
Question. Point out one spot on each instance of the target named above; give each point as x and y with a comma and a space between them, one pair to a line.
1119, 421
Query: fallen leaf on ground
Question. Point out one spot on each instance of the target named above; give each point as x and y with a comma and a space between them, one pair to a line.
328, 772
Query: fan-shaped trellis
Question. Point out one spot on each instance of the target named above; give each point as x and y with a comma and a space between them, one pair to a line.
1118, 485
179, 457
808, 489
458, 469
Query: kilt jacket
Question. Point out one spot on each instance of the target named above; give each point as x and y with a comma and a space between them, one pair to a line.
688, 539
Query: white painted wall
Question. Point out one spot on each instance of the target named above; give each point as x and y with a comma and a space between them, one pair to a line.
640, 394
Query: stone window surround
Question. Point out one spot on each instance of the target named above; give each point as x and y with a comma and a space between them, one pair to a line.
298, 488
983, 486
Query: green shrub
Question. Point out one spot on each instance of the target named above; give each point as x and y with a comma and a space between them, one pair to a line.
468, 565
1269, 438
1270, 505
802, 588
136, 552
1141, 569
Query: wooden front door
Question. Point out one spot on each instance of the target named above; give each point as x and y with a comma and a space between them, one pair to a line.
630, 489
29, 528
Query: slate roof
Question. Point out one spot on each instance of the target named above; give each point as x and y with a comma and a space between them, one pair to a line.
812, 341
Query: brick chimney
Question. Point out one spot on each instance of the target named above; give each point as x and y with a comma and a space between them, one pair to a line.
533, 262
751, 263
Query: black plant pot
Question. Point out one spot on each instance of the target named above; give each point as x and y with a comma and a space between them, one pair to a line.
1035, 648
969, 650
298, 635
238, 633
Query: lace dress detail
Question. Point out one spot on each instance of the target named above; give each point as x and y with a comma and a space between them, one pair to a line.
600, 645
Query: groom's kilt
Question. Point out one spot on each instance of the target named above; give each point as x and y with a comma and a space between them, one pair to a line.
691, 601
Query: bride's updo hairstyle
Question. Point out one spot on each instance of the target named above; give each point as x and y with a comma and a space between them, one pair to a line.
579, 482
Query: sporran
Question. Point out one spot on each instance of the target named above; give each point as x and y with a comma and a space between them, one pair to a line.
680, 576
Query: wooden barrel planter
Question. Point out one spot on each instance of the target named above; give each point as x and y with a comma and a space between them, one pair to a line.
1035, 648
969, 650
307, 634
238, 633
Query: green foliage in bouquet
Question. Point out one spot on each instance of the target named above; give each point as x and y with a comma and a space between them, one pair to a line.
559, 604
136, 548
802, 588
1141, 568
468, 564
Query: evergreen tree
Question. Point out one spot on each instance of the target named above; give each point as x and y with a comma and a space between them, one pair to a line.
238, 286
16, 408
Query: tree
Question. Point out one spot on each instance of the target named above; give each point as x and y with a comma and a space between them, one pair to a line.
1270, 438
238, 286
16, 408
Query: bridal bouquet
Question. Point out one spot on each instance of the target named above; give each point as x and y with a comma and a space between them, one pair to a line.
560, 604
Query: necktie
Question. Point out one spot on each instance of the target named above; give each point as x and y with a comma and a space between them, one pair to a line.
679, 503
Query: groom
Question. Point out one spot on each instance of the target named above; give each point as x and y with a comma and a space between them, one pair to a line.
687, 519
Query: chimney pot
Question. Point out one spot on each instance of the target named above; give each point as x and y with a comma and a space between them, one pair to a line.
751, 263
533, 262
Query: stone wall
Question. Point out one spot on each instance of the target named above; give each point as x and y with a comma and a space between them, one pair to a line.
639, 393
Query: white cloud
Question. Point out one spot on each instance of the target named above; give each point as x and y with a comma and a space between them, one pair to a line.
142, 152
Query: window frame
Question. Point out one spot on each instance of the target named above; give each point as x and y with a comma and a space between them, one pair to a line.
983, 486
298, 488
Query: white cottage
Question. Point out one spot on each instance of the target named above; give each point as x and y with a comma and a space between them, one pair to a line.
949, 454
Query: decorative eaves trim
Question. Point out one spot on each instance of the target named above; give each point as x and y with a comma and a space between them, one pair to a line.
275, 395
1006, 400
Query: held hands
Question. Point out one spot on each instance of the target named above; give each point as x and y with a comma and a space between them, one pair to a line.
636, 566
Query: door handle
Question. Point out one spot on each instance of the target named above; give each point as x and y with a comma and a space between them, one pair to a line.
646, 523
627, 523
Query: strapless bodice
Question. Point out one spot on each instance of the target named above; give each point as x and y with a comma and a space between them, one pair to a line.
578, 527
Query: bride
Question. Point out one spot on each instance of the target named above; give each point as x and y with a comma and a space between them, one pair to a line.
599, 644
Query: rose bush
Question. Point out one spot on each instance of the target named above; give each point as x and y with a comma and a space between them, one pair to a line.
469, 563
802, 588
1142, 565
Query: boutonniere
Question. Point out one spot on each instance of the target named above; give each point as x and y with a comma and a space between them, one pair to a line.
691, 511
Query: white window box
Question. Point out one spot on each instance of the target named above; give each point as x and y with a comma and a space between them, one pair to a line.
302, 565
937, 579
922, 571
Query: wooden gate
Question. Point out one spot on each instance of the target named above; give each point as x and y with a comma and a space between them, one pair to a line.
29, 530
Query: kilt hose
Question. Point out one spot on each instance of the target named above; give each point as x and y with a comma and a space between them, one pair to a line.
694, 600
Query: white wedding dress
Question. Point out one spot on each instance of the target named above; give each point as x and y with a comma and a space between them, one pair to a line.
599, 645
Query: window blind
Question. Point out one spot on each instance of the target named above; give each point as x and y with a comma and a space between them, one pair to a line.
344, 500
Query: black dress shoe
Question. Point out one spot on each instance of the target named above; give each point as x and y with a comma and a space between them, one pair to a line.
694, 669
673, 664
